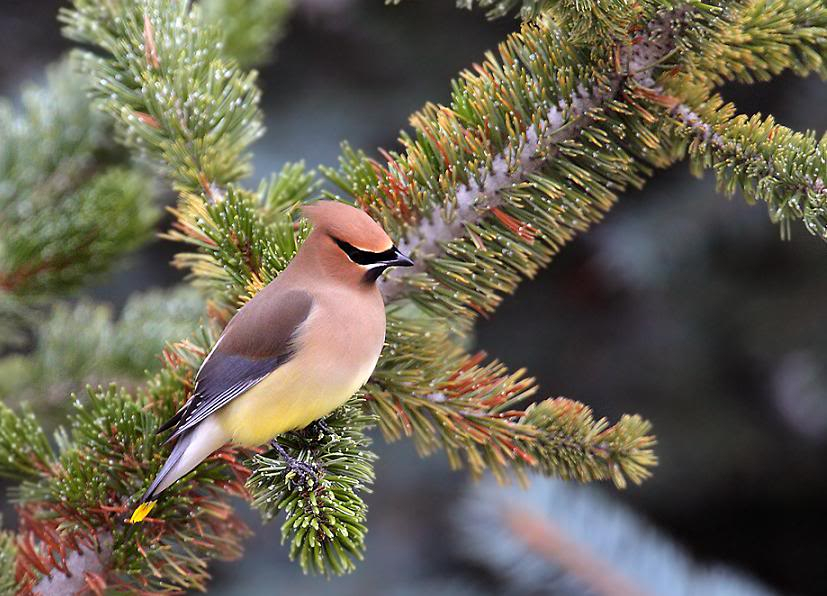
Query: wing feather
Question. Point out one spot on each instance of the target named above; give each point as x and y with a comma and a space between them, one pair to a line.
258, 340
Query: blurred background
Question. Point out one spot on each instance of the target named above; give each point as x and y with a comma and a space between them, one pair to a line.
683, 306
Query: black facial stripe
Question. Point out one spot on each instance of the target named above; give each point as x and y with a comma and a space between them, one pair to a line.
365, 257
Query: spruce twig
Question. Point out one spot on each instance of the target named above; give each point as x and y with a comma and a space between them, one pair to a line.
536, 144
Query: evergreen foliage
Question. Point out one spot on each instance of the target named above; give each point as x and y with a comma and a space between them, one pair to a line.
250, 28
59, 172
171, 91
13, 323
8, 554
73, 499
83, 343
537, 142
762, 160
324, 511
571, 540
24, 447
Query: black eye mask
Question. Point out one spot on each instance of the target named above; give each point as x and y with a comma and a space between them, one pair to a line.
365, 257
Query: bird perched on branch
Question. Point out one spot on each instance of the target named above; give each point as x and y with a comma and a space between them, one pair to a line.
295, 352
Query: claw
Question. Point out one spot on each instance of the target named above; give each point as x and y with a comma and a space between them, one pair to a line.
301, 469
322, 426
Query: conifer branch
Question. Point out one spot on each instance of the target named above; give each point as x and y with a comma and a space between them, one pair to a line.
8, 556
83, 570
499, 8
72, 513
59, 173
83, 344
535, 147
250, 28
558, 437
763, 160
324, 509
461, 176
51, 236
476, 412
25, 451
245, 239
754, 40
169, 87
490, 187
570, 540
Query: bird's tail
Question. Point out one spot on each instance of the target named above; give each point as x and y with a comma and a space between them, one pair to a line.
150, 498
191, 448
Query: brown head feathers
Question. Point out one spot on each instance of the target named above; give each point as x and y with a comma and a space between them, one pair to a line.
347, 224
348, 244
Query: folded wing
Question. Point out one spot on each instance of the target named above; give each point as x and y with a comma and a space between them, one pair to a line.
259, 339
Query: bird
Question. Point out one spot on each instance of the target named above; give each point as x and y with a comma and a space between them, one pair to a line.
296, 351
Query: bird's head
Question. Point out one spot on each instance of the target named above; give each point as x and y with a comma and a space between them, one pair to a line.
350, 244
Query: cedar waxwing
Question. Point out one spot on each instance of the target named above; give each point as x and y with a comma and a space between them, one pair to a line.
295, 352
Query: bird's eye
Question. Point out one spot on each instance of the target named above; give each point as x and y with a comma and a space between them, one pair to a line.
365, 257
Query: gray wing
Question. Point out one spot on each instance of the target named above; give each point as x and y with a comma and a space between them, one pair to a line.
255, 343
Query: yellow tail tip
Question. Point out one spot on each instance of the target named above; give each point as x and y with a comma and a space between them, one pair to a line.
141, 512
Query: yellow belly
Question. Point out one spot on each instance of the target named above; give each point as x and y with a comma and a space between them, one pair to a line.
334, 356
290, 398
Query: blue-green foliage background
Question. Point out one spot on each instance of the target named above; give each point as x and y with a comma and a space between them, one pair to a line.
683, 307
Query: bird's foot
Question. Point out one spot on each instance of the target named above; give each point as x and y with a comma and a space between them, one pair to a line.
320, 426
302, 470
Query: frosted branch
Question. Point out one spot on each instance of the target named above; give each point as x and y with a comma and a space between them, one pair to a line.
483, 192
812, 185
81, 565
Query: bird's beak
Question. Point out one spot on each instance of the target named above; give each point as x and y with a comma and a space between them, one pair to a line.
400, 260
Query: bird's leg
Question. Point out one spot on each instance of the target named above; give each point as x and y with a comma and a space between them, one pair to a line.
322, 426
301, 469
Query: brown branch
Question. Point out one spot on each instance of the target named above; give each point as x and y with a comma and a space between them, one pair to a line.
541, 535
84, 570
150, 50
